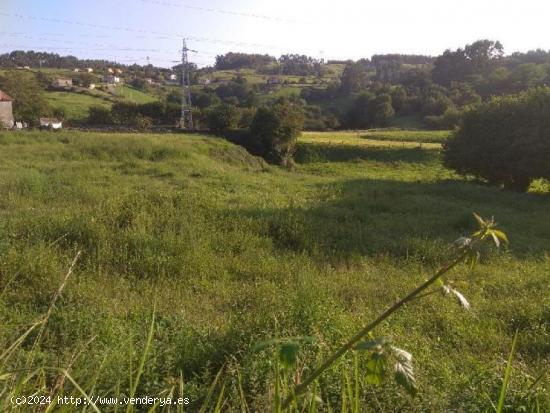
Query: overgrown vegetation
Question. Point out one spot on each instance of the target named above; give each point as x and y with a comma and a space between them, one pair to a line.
505, 141
193, 252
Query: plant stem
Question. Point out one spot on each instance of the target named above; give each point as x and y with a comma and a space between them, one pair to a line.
300, 388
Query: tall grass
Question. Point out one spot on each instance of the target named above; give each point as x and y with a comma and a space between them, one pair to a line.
227, 252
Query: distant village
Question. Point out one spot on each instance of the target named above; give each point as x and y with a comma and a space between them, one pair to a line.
107, 79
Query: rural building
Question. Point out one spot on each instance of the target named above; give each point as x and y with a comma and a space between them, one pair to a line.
118, 71
51, 123
205, 81
111, 79
90, 70
62, 82
173, 77
92, 86
21, 125
109, 70
274, 80
6, 111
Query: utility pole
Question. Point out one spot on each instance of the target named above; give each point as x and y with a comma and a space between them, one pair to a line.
186, 121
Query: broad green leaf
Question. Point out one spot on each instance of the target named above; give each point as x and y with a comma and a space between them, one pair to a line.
501, 235
376, 368
495, 238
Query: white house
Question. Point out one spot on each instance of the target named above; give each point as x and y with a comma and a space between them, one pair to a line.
51, 123
111, 79
62, 82
90, 70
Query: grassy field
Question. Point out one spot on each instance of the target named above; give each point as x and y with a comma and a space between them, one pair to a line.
227, 251
134, 95
75, 105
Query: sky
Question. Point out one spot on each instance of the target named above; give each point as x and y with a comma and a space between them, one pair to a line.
130, 31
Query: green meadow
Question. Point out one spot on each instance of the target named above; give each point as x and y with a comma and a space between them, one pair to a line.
193, 251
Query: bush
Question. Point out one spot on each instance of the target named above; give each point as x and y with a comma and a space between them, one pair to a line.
98, 115
141, 122
449, 120
276, 129
222, 117
505, 141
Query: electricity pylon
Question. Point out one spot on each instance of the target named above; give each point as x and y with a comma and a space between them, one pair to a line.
186, 121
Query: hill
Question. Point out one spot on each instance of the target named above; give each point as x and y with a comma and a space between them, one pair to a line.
227, 251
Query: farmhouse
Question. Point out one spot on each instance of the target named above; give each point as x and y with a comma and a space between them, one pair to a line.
111, 79
6, 111
51, 123
62, 82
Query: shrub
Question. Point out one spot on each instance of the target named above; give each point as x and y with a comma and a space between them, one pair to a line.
276, 129
222, 117
505, 141
98, 115
141, 122
449, 120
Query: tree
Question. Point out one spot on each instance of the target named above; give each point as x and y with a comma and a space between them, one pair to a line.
222, 118
29, 102
358, 116
482, 54
276, 129
381, 110
140, 84
86, 79
463, 94
354, 78
370, 111
505, 141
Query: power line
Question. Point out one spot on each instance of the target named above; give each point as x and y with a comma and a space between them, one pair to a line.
109, 46
224, 11
142, 31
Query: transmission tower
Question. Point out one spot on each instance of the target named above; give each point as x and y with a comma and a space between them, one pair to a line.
186, 121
